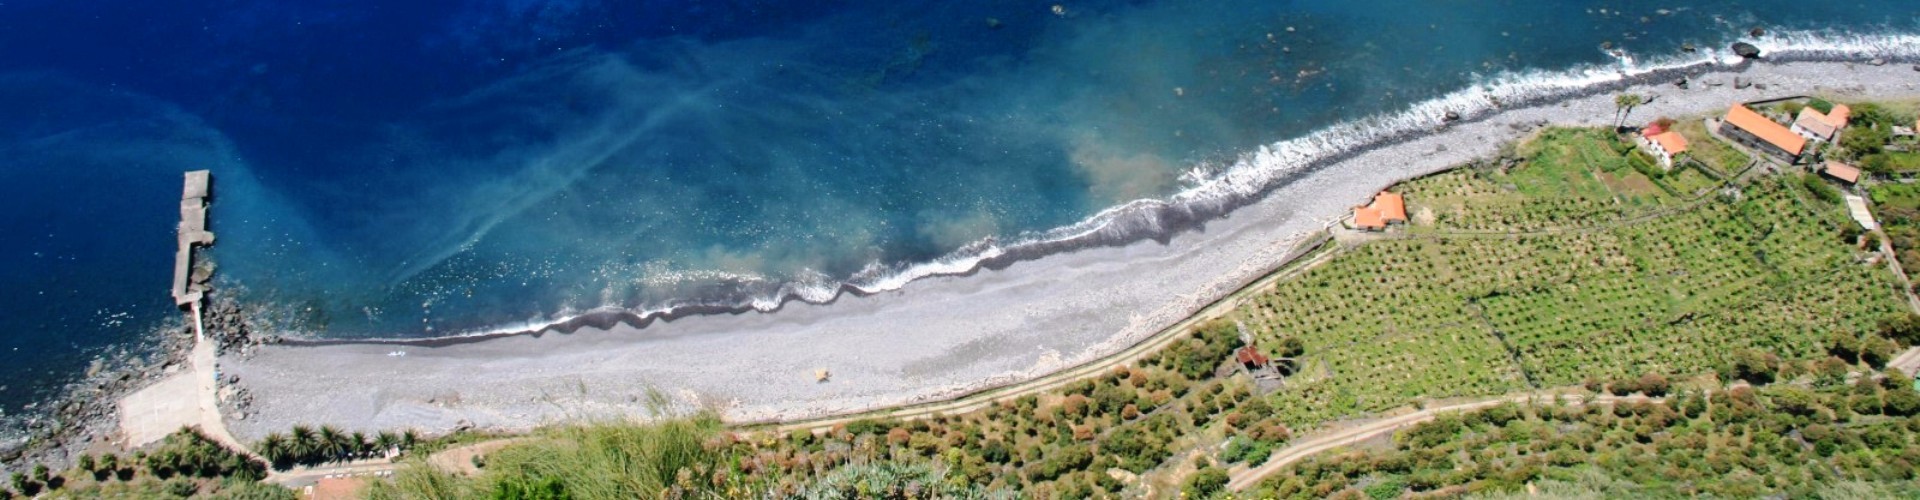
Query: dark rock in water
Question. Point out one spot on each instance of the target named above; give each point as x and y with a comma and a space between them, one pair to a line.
1451, 116
1916, 67
1746, 50
1757, 32
1688, 47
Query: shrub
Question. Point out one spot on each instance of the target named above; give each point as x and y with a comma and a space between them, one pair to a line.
1653, 384
1386, 488
1820, 188
890, 480
181, 487
866, 426
1058, 463
898, 436
1903, 327
1753, 366
1205, 482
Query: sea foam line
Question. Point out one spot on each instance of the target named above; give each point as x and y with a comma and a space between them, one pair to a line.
1248, 178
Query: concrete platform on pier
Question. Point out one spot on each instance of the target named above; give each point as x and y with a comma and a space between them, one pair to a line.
192, 231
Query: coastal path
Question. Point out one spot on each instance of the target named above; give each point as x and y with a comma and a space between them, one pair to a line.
1300, 450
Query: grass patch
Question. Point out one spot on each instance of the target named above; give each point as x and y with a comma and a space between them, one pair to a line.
1708, 150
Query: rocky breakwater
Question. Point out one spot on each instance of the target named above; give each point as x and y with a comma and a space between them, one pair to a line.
85, 418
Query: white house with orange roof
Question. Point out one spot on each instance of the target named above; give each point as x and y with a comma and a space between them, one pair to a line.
1663, 143
1386, 208
1813, 124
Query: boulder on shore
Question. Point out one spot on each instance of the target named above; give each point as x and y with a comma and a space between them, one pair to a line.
1451, 116
1741, 82
1746, 50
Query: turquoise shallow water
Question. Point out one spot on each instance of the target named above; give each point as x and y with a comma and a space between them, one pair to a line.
416, 170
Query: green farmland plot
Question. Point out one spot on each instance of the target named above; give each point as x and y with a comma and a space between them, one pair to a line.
1569, 177
1583, 281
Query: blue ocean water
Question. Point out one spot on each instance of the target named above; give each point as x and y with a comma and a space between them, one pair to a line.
407, 169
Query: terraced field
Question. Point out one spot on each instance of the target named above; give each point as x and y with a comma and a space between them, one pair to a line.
1565, 267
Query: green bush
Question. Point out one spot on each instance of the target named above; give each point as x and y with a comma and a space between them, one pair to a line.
188, 452
1820, 188
1060, 462
1205, 483
890, 480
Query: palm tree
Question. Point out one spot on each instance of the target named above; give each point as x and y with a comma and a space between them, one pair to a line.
1624, 104
276, 449
305, 444
333, 444
361, 447
384, 442
109, 465
408, 439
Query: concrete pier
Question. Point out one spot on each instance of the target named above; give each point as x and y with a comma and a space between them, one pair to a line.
187, 286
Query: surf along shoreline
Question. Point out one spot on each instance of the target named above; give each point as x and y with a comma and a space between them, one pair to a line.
947, 336
1252, 178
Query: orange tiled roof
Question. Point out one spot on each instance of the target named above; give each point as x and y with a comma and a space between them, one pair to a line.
1843, 172
1673, 142
1393, 206
1368, 217
1766, 130
1840, 115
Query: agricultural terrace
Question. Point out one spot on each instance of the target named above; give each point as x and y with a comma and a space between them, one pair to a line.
1562, 178
1897, 206
1828, 439
1719, 157
1558, 270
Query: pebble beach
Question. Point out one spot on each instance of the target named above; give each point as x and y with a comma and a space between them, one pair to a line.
937, 337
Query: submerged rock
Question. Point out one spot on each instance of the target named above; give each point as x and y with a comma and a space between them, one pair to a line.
1757, 32
1688, 47
1746, 50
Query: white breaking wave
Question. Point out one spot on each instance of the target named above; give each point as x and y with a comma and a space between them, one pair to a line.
1218, 190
